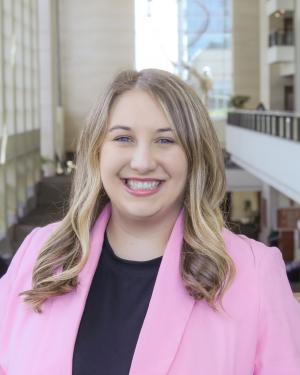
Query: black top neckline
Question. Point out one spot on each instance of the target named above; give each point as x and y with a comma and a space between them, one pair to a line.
116, 258
114, 313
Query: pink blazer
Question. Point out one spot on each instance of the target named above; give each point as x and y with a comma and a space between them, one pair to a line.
259, 334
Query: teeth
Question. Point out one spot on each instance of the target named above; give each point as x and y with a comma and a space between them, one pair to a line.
134, 185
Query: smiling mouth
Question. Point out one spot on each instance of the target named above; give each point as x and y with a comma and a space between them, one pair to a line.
139, 185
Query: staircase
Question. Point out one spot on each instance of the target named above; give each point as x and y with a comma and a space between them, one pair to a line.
51, 205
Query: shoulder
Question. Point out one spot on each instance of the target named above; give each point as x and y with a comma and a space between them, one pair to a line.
39, 235
35, 240
24, 259
246, 251
18, 277
262, 301
260, 278
257, 265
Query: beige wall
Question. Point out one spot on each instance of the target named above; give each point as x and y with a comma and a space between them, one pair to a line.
276, 88
96, 40
264, 66
48, 82
246, 49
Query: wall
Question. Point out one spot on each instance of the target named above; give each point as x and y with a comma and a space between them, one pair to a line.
246, 26
96, 40
240, 180
48, 81
271, 159
276, 88
264, 66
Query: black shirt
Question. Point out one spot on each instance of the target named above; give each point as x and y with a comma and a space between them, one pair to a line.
114, 312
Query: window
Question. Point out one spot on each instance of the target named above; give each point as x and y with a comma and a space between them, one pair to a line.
19, 108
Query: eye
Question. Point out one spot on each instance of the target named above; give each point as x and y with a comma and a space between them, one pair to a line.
122, 139
165, 140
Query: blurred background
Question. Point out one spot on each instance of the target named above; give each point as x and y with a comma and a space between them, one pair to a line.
242, 58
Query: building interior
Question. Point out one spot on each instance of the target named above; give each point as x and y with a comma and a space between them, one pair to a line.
242, 57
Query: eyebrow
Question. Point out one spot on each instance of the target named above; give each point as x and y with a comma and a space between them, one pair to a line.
122, 127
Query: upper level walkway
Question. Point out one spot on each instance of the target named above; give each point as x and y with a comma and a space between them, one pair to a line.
267, 144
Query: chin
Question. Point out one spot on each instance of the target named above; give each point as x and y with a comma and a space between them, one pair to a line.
140, 212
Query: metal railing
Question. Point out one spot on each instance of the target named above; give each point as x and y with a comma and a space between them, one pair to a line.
279, 124
281, 38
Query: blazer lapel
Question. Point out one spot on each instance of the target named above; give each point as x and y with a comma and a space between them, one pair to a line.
168, 312
67, 310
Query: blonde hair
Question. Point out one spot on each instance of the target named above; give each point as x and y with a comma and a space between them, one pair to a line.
206, 268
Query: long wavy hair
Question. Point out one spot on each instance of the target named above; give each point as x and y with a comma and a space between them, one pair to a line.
206, 268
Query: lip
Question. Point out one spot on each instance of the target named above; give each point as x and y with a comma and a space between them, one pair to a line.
142, 193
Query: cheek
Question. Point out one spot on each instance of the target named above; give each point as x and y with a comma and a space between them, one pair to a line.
107, 159
105, 166
110, 167
178, 164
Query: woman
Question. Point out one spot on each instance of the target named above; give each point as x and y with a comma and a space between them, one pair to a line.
141, 276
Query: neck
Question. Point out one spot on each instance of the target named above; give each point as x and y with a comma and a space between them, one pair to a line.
138, 239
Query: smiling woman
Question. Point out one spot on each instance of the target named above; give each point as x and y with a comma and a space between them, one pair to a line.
143, 257
139, 174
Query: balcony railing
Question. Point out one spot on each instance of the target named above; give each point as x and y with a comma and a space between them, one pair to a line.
281, 38
279, 124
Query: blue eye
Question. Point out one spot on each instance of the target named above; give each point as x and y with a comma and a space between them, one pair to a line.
166, 140
124, 139
121, 139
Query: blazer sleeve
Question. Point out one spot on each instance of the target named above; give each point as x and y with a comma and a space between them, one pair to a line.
8, 279
278, 346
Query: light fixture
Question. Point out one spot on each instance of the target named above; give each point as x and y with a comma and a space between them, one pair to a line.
279, 13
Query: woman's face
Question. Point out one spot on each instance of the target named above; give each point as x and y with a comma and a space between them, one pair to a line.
143, 167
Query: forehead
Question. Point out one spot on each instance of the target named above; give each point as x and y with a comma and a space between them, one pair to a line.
137, 108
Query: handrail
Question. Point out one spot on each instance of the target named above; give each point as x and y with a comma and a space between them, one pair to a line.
279, 124
281, 38
268, 112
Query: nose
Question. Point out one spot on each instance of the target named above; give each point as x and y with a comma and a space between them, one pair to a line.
143, 160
